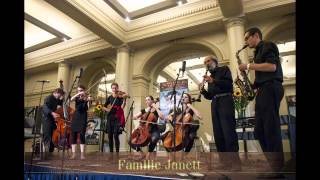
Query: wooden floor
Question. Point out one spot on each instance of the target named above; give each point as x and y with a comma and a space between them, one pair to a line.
171, 165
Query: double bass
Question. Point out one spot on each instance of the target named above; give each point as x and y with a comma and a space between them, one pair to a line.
183, 121
141, 136
63, 130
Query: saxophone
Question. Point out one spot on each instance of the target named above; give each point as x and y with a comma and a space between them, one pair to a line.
245, 85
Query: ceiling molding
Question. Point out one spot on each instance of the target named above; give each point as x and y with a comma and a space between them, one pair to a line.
65, 50
87, 16
45, 27
258, 5
124, 13
42, 45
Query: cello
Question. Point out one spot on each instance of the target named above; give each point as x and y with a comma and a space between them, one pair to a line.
63, 130
141, 136
182, 122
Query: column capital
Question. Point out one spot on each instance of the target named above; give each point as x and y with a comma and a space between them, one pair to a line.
123, 48
234, 21
62, 62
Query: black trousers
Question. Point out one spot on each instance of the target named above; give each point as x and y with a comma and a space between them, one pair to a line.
113, 125
267, 129
188, 140
82, 137
48, 126
224, 124
155, 136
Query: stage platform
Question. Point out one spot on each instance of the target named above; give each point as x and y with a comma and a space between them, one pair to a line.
161, 165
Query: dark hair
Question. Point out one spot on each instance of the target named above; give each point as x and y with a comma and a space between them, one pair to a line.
81, 86
253, 30
189, 97
59, 91
150, 97
114, 84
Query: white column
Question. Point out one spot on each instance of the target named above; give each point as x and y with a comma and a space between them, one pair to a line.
64, 75
235, 32
122, 78
122, 68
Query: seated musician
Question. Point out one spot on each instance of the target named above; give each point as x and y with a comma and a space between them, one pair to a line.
153, 128
115, 117
190, 130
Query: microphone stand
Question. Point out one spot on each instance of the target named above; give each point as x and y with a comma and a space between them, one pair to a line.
174, 92
34, 129
66, 104
131, 119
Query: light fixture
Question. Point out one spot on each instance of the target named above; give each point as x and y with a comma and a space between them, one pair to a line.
128, 19
179, 3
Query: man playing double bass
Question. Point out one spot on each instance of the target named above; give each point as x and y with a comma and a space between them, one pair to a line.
50, 105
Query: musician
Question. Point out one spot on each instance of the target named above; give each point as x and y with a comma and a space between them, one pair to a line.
220, 88
154, 130
115, 118
268, 82
190, 132
79, 122
50, 105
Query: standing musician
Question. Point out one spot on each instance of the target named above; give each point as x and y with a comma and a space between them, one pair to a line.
268, 82
115, 115
79, 123
50, 105
153, 128
189, 130
220, 88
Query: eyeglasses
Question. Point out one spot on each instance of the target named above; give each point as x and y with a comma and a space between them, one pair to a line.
80, 90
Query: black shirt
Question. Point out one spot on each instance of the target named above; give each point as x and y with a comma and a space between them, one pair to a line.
267, 52
79, 122
222, 82
50, 105
111, 100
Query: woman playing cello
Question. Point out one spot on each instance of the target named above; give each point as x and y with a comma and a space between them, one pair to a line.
187, 131
150, 114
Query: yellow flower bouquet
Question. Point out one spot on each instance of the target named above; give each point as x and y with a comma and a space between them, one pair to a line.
98, 110
240, 102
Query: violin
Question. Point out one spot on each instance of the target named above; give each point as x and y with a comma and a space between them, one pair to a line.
121, 94
86, 96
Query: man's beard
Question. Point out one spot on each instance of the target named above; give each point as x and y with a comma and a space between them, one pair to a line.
212, 67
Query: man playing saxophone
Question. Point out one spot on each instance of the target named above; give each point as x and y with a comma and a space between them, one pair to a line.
268, 81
